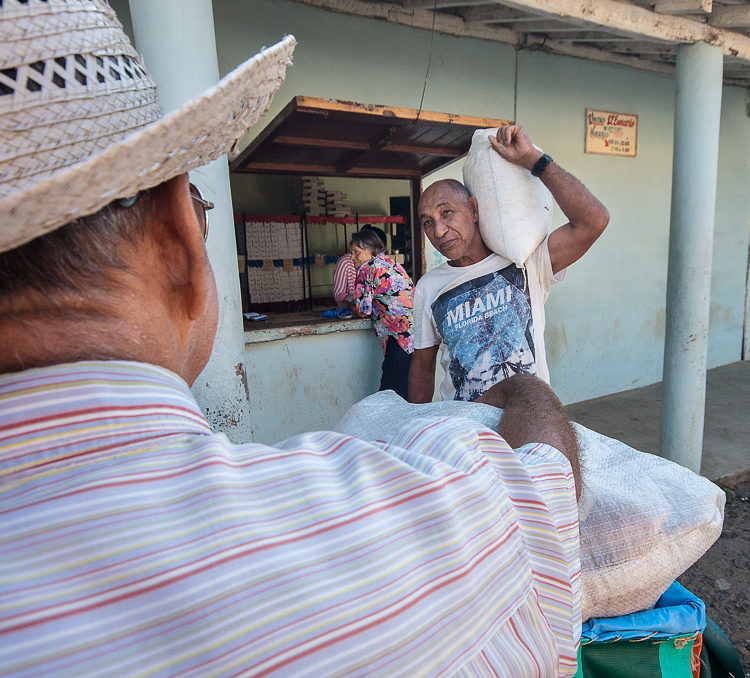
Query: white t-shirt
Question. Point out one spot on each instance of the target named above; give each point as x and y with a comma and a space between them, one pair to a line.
488, 319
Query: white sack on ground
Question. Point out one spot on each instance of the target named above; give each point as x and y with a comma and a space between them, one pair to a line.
515, 208
643, 519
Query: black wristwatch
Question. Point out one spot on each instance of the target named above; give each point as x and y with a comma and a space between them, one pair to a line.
541, 165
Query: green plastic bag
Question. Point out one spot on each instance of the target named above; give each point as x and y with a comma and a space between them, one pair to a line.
719, 658
669, 658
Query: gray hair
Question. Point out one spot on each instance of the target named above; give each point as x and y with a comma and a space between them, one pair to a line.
458, 188
77, 257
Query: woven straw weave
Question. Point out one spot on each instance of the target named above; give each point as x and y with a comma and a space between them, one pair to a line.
80, 120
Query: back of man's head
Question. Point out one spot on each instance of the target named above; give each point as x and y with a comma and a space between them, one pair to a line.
78, 258
94, 199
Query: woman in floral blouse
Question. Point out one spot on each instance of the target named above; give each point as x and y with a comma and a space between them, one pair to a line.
385, 292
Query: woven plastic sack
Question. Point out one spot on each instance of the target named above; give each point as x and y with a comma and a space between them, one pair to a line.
643, 519
515, 208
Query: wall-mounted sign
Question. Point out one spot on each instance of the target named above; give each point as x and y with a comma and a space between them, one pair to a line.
611, 133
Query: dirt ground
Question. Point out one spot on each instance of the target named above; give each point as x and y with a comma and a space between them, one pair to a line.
721, 578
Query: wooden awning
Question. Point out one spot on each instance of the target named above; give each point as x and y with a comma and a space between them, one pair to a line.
322, 137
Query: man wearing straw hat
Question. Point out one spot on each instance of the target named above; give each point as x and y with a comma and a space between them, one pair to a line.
135, 541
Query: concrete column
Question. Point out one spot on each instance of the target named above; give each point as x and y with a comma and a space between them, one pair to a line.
694, 175
176, 39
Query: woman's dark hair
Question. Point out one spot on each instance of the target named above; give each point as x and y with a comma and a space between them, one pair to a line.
380, 232
368, 239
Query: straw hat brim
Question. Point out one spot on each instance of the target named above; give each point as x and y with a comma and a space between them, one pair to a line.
198, 132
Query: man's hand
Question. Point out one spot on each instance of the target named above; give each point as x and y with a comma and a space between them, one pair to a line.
533, 414
587, 216
514, 144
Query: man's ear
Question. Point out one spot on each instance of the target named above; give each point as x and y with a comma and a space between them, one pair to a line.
474, 207
178, 238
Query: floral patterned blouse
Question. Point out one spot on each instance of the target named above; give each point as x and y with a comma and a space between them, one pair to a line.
385, 292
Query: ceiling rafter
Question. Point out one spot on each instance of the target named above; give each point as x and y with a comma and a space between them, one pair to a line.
626, 32
639, 22
443, 4
699, 7
493, 13
731, 16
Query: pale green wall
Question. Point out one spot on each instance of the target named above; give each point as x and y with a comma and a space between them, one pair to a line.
307, 383
605, 323
732, 229
605, 326
344, 57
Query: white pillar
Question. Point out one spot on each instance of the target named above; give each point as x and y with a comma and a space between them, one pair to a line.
694, 176
177, 41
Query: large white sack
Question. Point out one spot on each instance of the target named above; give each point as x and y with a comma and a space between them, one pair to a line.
643, 519
515, 207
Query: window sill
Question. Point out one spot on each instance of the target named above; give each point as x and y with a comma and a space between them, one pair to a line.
283, 325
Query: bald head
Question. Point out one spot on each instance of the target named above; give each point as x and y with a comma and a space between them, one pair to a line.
449, 217
453, 185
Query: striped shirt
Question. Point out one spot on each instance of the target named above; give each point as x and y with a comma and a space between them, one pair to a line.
135, 541
344, 278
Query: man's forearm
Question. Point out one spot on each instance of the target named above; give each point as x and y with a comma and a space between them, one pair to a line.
581, 207
421, 383
421, 388
533, 414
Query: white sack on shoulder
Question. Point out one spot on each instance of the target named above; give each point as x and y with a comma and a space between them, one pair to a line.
515, 207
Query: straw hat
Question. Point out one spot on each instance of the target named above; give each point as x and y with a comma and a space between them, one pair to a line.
80, 122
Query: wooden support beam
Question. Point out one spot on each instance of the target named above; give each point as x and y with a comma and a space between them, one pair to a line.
595, 54
488, 14
285, 168
638, 21
620, 44
391, 113
737, 16
645, 49
416, 18
557, 27
442, 4
317, 142
416, 230
610, 15
382, 137
384, 172
700, 7
328, 170
446, 151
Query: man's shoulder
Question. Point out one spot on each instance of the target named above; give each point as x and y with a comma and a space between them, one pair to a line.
432, 275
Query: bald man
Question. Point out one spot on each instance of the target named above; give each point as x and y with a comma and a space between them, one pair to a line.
485, 313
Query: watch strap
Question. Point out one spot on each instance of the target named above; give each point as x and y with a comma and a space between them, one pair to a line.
541, 165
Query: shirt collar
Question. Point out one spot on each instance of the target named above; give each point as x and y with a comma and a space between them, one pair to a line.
57, 412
